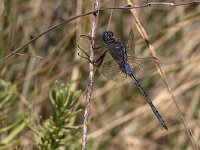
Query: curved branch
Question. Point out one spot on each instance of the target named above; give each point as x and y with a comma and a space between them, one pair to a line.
94, 12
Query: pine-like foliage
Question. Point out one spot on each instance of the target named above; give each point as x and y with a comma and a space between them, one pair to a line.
59, 130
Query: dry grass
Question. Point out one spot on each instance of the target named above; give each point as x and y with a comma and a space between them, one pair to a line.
119, 117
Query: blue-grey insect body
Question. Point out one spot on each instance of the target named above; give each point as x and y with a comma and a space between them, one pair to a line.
122, 63
119, 53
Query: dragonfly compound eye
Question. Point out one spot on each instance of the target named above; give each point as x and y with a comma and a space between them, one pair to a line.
110, 34
107, 35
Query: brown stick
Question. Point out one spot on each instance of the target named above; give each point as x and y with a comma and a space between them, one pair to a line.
128, 7
90, 80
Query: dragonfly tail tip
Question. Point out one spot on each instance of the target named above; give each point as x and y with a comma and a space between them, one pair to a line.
164, 126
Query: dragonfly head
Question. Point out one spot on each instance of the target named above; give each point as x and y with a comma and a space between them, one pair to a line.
107, 36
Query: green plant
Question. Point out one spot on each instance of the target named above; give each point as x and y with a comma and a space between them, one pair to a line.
60, 130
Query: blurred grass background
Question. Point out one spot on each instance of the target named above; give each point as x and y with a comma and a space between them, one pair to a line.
119, 117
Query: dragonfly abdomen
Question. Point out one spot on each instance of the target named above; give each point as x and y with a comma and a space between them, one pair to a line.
125, 68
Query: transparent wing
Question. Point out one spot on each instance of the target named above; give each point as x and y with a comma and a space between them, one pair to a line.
130, 44
84, 43
142, 67
111, 71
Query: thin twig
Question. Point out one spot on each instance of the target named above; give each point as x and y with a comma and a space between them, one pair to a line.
76, 70
90, 80
111, 14
2, 14
128, 7
20, 54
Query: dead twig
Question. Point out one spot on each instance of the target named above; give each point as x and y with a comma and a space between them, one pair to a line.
90, 80
127, 7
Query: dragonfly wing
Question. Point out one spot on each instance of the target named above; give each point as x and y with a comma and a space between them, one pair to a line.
111, 71
130, 44
84, 42
142, 67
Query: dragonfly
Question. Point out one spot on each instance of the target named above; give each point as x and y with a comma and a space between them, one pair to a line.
118, 62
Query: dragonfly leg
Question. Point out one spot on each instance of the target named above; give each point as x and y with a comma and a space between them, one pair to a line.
97, 48
97, 62
83, 52
101, 58
92, 43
